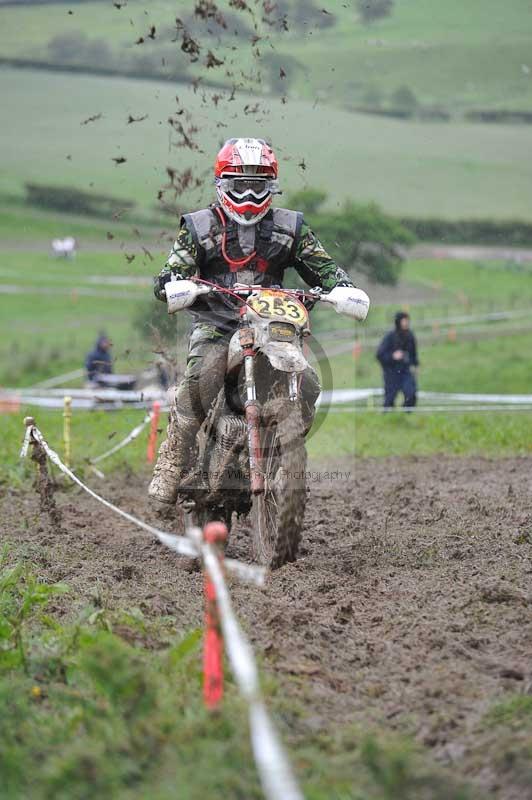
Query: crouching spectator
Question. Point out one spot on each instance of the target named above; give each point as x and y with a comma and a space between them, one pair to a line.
397, 355
99, 361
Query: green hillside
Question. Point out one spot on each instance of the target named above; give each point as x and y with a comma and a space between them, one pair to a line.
408, 167
453, 54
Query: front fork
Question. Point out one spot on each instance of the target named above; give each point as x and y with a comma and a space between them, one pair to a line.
252, 412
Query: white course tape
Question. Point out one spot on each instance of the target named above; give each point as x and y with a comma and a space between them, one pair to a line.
180, 544
129, 438
462, 409
277, 779
25, 443
338, 396
59, 380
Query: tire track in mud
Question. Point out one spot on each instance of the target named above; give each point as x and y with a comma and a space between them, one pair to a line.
409, 607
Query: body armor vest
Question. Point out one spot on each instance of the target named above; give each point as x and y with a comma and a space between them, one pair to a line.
275, 242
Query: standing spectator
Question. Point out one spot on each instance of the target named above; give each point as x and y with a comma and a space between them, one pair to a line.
397, 355
99, 361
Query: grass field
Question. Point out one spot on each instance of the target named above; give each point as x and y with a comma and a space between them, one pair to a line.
447, 54
50, 324
410, 168
55, 338
52, 320
45, 334
336, 436
20, 224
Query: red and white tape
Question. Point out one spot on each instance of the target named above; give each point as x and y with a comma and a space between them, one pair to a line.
276, 776
129, 438
179, 544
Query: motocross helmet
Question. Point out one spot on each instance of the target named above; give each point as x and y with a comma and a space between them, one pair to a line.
245, 175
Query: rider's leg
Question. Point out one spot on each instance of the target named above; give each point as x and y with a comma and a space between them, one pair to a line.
202, 381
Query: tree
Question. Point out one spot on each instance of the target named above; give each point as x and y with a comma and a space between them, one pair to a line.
307, 200
365, 239
405, 100
371, 10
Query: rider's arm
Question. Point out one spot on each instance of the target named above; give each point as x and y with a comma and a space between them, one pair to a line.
182, 261
315, 265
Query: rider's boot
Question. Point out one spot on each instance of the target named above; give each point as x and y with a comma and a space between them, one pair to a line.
173, 461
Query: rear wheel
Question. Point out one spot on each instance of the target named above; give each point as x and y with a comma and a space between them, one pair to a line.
277, 514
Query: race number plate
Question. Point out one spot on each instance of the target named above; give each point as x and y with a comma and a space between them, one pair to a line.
276, 305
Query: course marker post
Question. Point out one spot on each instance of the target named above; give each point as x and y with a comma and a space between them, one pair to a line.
215, 534
44, 483
152, 438
67, 422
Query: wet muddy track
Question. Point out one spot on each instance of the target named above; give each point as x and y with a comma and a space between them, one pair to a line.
409, 607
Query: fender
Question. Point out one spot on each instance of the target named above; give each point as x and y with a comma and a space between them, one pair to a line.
285, 357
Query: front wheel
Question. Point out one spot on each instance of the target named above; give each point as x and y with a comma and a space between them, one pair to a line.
277, 514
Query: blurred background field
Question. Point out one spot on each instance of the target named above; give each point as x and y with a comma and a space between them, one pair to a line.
448, 56
109, 131
110, 123
410, 167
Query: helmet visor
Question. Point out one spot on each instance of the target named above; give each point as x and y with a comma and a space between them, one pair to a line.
242, 186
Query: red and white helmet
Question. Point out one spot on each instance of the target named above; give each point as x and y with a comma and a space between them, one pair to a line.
245, 174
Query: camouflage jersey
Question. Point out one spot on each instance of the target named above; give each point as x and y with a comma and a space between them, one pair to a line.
280, 240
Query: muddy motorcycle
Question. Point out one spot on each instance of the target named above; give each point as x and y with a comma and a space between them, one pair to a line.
251, 455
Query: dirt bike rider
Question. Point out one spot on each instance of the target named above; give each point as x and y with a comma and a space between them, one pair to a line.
239, 239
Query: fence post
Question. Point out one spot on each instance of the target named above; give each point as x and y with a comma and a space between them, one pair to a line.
67, 420
44, 483
152, 437
214, 533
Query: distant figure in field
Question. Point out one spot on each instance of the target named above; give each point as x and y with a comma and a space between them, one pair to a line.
64, 248
99, 361
397, 355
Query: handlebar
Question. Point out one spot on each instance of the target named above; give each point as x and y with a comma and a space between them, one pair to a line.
243, 291
345, 300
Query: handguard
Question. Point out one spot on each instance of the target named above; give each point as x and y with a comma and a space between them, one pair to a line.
348, 300
182, 294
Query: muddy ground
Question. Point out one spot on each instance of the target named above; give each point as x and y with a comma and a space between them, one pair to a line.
409, 608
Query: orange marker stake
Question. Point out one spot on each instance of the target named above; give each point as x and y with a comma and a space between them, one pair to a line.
152, 438
215, 533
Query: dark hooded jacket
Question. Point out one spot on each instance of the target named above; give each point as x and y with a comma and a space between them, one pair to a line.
398, 340
98, 361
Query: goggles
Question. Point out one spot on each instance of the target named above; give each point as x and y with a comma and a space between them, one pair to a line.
242, 185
